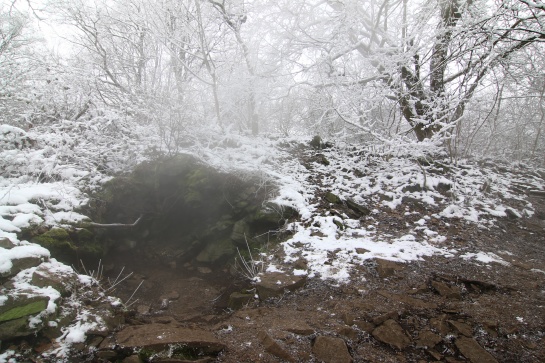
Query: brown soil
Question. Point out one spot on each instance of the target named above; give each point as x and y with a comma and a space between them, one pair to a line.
442, 304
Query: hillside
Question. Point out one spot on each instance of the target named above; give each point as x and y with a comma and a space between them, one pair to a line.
393, 254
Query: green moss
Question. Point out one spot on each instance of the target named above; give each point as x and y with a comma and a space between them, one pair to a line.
84, 235
31, 308
56, 238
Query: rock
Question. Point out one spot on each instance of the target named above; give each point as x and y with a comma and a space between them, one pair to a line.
450, 292
365, 326
348, 332
16, 328
204, 270
61, 280
171, 296
416, 303
387, 316
512, 214
274, 284
331, 350
427, 339
106, 354
159, 336
299, 328
321, 159
272, 347
361, 251
241, 229
143, 309
390, 332
215, 251
21, 258
358, 208
332, 198
237, 300
132, 359
462, 328
440, 325
6, 243
473, 351
387, 268
22, 305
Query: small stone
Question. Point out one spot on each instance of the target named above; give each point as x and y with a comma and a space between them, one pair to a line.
365, 326
361, 251
163, 305
387, 268
106, 354
237, 300
332, 198
300, 328
382, 318
6, 243
473, 351
451, 292
331, 350
272, 347
348, 332
462, 328
427, 339
275, 284
204, 270
390, 332
143, 309
440, 325
132, 359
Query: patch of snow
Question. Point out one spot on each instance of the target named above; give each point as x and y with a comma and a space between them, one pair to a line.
18, 252
485, 258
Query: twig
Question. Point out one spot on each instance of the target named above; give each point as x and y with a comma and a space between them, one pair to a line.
116, 225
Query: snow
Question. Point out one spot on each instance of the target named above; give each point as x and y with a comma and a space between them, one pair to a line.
19, 252
484, 257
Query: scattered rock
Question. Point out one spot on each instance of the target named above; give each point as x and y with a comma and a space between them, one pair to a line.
171, 296
387, 268
361, 251
237, 300
23, 257
390, 332
358, 208
416, 303
473, 351
61, 280
440, 324
272, 347
332, 198
274, 284
348, 332
6, 243
204, 270
427, 339
132, 359
299, 328
461, 328
331, 350
387, 316
450, 292
143, 309
159, 336
365, 326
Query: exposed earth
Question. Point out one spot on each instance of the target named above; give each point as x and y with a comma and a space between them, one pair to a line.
438, 308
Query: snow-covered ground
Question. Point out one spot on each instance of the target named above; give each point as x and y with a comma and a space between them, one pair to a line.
380, 180
47, 173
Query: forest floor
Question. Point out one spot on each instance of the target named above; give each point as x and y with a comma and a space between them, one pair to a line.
397, 255
459, 305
